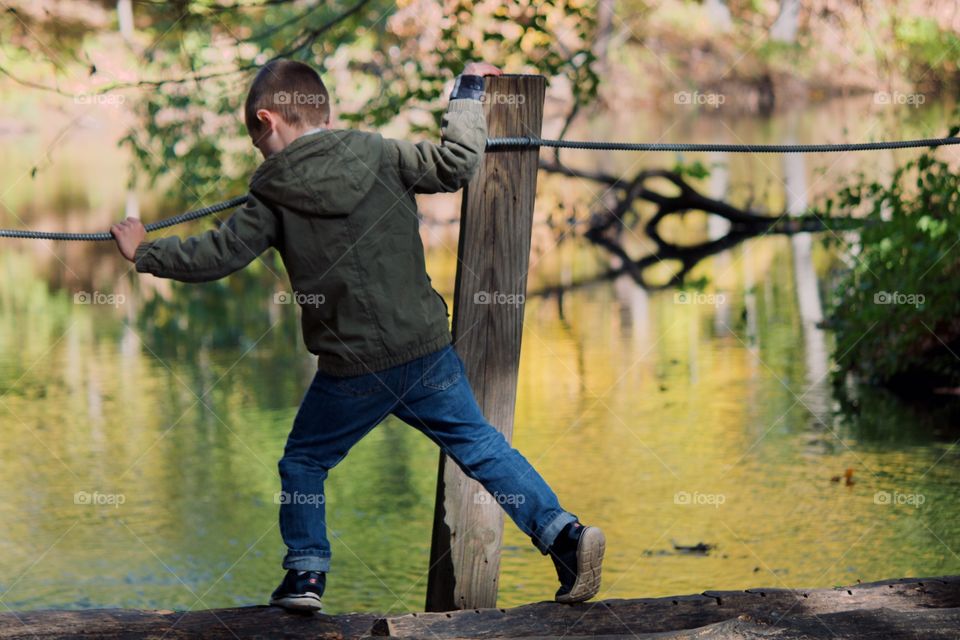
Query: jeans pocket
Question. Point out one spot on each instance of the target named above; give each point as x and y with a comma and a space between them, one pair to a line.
363, 385
441, 369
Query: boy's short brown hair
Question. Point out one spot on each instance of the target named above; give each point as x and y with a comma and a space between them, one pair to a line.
291, 89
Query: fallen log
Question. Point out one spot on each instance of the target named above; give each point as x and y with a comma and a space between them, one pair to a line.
875, 624
649, 615
890, 610
215, 624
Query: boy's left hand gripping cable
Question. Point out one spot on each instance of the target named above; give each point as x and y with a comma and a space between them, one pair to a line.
106, 235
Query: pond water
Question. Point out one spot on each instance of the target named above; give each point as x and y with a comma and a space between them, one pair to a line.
663, 420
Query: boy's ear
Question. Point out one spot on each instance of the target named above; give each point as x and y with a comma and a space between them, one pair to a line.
266, 118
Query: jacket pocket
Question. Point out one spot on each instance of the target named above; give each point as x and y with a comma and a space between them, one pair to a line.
446, 309
442, 369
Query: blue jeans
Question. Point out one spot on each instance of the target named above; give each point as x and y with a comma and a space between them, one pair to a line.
431, 394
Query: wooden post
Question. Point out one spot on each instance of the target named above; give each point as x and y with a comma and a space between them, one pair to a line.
494, 252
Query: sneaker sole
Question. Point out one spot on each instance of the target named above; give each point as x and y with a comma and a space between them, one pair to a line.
589, 558
304, 602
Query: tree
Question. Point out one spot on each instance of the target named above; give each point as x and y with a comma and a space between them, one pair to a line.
784, 28
719, 14
381, 59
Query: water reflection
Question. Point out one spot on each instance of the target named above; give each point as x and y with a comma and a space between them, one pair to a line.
808, 285
180, 399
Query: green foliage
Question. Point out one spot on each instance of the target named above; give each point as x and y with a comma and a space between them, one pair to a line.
896, 312
192, 138
929, 54
694, 284
696, 169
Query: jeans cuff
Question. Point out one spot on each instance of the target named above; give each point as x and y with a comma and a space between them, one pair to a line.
549, 534
307, 563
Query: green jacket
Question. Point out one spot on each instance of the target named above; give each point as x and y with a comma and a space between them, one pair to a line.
339, 206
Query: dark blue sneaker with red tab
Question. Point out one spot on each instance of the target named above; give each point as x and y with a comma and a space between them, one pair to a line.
300, 590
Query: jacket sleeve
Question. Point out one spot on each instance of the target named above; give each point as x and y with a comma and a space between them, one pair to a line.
212, 254
427, 167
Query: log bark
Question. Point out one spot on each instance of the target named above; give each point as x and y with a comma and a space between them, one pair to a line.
900, 609
214, 624
863, 608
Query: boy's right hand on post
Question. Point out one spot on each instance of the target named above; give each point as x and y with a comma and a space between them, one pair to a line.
481, 69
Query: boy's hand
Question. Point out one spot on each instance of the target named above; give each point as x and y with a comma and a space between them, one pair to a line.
481, 69
128, 234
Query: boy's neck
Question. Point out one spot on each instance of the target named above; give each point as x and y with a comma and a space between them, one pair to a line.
283, 136
313, 130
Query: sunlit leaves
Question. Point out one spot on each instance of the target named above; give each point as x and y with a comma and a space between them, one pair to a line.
895, 312
381, 62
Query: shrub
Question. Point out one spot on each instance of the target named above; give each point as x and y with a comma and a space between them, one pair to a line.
896, 311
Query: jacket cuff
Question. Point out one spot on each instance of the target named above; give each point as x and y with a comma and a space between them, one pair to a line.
461, 105
140, 254
467, 87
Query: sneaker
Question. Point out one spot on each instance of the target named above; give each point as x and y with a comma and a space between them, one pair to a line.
300, 590
577, 554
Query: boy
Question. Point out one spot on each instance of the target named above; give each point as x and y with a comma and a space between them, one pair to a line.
338, 205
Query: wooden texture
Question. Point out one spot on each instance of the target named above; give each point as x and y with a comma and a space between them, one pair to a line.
239, 623
901, 609
493, 257
873, 624
861, 609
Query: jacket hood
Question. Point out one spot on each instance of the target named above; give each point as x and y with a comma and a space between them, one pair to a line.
322, 173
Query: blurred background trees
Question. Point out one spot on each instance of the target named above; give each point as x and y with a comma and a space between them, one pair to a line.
183, 68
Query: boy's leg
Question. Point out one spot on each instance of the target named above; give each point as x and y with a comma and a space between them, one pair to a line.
334, 415
438, 401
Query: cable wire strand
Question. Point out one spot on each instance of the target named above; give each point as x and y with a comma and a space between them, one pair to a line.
527, 142
106, 235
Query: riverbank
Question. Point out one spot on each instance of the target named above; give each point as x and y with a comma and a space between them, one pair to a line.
889, 609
